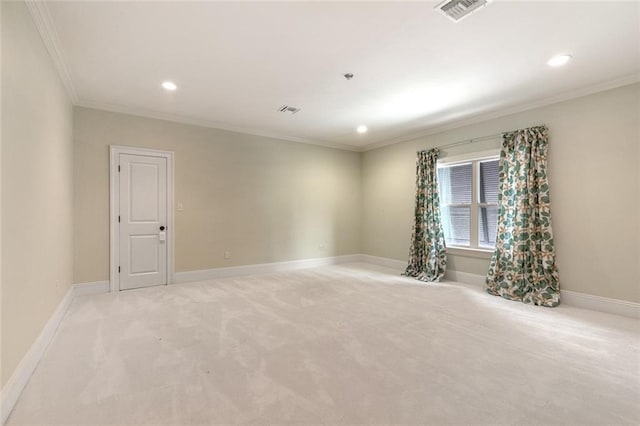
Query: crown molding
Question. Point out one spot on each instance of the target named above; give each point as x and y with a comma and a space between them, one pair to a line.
504, 111
141, 112
44, 23
431, 130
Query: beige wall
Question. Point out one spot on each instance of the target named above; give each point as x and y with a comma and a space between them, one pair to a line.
265, 200
2, 380
268, 200
248, 194
595, 190
37, 162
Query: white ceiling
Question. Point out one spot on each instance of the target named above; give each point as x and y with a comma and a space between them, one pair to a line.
236, 63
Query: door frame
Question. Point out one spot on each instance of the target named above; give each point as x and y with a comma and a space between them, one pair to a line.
114, 208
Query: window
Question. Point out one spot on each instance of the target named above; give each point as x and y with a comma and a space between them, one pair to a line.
469, 202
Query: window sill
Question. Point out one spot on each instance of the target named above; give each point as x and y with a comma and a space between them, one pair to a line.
470, 252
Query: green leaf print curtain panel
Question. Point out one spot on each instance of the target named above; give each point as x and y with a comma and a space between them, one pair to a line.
523, 266
427, 256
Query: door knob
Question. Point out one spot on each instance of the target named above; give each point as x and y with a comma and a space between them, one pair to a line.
162, 228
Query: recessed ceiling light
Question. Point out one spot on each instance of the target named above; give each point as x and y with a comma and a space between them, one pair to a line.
169, 85
559, 60
362, 129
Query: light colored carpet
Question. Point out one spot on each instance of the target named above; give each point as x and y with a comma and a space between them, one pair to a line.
345, 344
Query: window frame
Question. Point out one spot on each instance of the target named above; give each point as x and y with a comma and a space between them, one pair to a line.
475, 158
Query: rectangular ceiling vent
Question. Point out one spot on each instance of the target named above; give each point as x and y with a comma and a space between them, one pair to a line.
458, 9
290, 109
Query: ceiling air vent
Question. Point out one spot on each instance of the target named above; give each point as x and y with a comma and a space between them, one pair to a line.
458, 9
290, 109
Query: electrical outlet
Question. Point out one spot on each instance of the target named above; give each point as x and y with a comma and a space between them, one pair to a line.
227, 254
180, 207
322, 246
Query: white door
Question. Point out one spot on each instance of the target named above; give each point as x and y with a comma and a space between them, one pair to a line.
142, 221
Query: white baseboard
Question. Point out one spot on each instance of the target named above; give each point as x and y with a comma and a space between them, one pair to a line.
13, 388
399, 265
464, 277
18, 380
601, 304
95, 287
261, 268
567, 297
15, 385
23, 372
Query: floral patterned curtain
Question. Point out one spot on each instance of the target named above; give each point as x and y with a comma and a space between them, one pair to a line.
523, 266
427, 256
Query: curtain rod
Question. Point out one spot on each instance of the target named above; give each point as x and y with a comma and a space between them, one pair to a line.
468, 141
473, 140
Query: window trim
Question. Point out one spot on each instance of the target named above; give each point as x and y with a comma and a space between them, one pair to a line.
475, 158
470, 156
479, 253
478, 204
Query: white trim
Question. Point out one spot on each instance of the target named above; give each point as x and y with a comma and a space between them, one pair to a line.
44, 23
469, 157
85, 289
567, 297
114, 188
428, 131
399, 265
474, 249
261, 268
15, 385
464, 277
470, 252
202, 122
20, 377
455, 123
23, 372
599, 303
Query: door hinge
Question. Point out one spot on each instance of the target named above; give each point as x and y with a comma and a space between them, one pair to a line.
118, 218
118, 269
118, 168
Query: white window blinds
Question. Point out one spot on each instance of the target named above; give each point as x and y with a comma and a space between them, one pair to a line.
456, 188
469, 202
